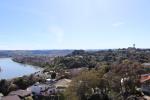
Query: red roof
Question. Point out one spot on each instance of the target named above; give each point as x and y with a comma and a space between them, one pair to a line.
144, 78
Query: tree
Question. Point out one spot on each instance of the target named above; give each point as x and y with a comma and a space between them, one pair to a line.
4, 84
124, 78
53, 75
81, 86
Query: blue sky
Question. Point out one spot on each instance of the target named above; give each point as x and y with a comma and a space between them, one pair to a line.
74, 24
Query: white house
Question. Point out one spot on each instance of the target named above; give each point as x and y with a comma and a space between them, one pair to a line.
48, 89
50, 81
39, 89
1, 95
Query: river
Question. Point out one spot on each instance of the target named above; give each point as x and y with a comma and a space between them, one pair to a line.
11, 69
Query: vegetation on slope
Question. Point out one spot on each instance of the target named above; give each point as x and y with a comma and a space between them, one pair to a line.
104, 71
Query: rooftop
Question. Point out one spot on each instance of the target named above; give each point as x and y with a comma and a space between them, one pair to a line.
63, 83
14, 97
21, 93
144, 78
146, 64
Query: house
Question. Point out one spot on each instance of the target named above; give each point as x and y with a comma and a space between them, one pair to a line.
146, 66
40, 89
62, 84
50, 81
20, 93
1, 95
49, 88
14, 97
145, 78
145, 81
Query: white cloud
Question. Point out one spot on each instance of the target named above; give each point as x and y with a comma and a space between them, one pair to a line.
58, 32
117, 24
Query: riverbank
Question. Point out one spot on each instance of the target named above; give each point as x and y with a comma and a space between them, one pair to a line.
11, 69
42, 62
18, 83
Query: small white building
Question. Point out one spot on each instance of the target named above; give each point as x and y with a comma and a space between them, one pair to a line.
39, 89
50, 81
1, 95
48, 89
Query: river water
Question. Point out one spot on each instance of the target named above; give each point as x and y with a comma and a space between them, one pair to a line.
11, 69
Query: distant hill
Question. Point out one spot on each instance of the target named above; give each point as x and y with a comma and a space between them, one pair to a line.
50, 53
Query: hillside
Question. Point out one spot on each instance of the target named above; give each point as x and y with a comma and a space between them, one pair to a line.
50, 53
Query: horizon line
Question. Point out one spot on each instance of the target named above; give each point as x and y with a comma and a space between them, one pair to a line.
64, 49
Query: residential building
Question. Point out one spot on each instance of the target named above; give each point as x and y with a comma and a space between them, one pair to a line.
14, 97
145, 81
40, 89
61, 85
20, 93
1, 95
